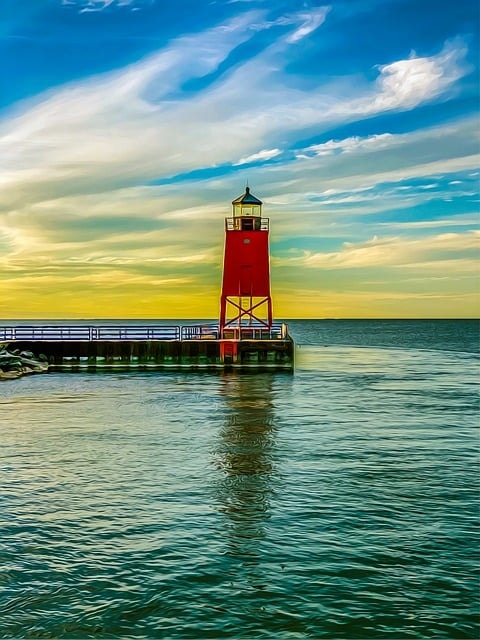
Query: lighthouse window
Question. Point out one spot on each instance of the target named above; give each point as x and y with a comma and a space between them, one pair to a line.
247, 224
246, 241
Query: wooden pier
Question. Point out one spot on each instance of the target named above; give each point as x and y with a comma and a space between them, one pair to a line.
108, 347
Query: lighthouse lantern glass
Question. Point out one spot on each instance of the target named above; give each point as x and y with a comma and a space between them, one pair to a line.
246, 210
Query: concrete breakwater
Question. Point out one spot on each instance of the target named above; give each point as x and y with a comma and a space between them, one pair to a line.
161, 354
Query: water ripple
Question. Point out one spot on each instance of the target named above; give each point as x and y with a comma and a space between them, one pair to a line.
340, 502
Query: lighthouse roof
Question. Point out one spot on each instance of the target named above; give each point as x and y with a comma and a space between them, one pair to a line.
247, 198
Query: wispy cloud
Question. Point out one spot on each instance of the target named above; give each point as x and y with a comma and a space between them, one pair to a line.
351, 144
128, 126
396, 251
310, 21
266, 154
86, 6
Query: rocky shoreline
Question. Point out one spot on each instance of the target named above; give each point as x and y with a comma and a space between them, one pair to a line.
15, 363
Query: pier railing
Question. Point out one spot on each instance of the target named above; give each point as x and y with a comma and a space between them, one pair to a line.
79, 332
275, 332
137, 332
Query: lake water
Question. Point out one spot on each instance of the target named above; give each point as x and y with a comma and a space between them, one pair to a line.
337, 502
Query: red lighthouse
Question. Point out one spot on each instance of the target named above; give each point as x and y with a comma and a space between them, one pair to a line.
245, 299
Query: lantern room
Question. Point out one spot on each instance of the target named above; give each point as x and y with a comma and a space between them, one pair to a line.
247, 205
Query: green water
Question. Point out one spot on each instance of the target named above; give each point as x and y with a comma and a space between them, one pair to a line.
338, 502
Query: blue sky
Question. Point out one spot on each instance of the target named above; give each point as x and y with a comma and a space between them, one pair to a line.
128, 126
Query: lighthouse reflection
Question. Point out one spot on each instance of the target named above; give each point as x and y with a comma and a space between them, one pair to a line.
245, 456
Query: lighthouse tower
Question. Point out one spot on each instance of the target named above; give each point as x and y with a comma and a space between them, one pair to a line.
245, 300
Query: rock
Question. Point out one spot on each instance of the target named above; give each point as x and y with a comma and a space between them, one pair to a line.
14, 363
9, 375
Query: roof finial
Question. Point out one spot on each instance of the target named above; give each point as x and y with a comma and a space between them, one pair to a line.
247, 188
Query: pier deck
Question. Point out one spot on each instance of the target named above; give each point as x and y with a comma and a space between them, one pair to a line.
80, 347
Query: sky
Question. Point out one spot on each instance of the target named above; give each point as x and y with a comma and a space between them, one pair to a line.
127, 127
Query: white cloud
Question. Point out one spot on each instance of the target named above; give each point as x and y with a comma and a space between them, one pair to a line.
351, 145
340, 168
465, 220
310, 22
304, 23
135, 124
87, 6
121, 125
266, 154
394, 251
407, 83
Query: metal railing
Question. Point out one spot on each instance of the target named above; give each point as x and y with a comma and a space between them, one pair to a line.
152, 332
200, 332
256, 332
242, 223
79, 332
